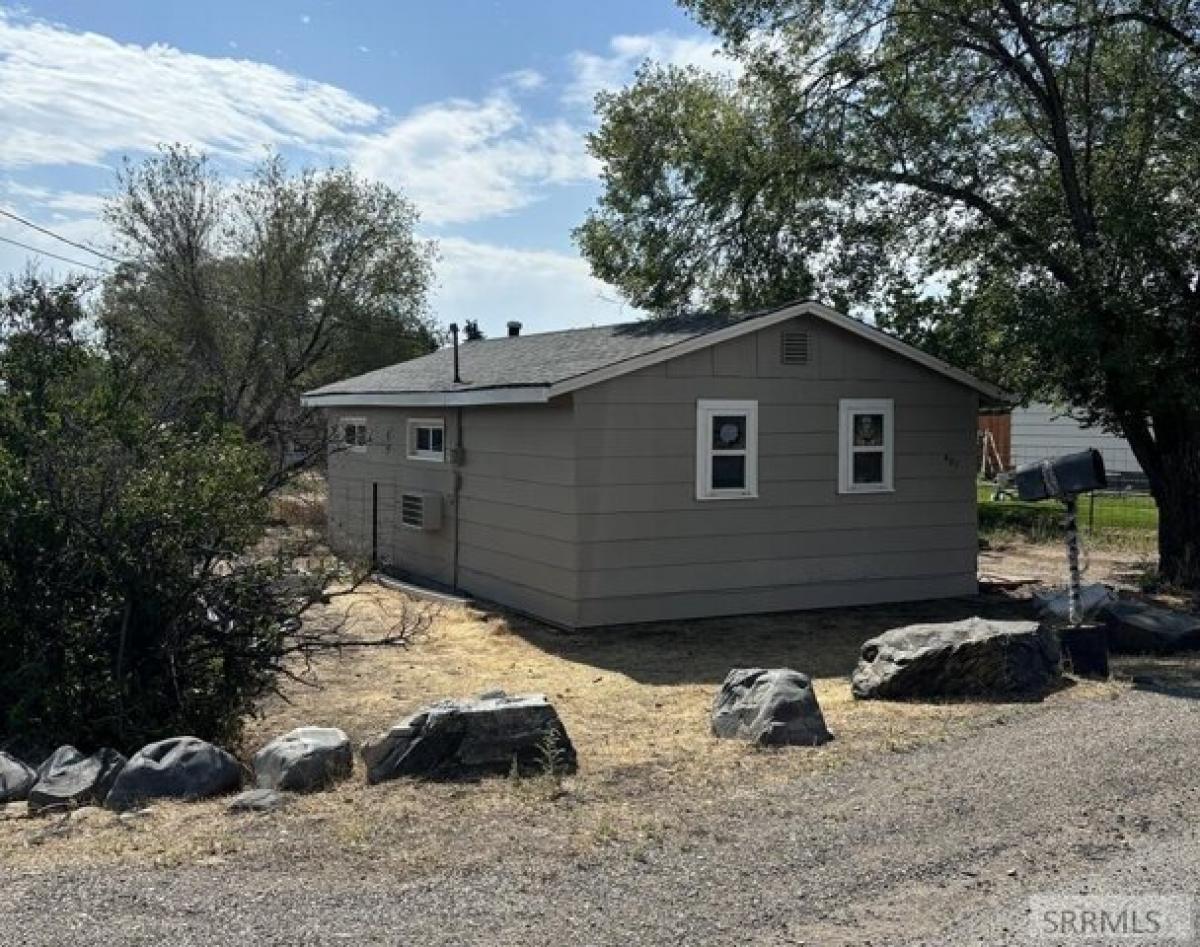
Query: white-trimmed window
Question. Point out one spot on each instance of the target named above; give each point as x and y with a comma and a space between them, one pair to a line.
866, 448
353, 434
427, 439
726, 449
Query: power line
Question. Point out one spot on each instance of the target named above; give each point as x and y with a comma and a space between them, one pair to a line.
55, 256
57, 236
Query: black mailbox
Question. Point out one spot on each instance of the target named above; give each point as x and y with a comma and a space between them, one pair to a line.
1062, 477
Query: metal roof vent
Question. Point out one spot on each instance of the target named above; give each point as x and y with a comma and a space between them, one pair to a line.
793, 348
514, 329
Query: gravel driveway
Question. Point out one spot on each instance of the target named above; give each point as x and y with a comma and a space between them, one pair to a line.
937, 846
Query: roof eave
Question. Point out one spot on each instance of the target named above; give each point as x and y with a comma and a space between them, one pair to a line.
527, 394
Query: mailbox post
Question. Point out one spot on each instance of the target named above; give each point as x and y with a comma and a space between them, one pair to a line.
1064, 478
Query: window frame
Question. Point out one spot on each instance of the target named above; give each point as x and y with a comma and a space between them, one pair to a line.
848, 409
358, 446
427, 456
706, 410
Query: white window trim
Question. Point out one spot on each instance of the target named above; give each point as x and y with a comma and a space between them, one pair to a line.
847, 409
429, 456
705, 409
344, 423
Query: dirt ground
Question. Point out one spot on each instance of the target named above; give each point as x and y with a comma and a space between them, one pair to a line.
635, 702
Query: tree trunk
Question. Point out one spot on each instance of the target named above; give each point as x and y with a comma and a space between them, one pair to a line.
1177, 496
1171, 459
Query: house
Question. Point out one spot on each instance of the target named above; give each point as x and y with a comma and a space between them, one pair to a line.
792, 458
1042, 430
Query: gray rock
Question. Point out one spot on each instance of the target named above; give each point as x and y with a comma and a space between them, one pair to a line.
176, 768
69, 779
308, 758
770, 708
1055, 605
258, 800
16, 779
14, 810
1015, 660
471, 737
1134, 628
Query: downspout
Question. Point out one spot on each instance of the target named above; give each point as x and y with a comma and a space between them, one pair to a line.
458, 464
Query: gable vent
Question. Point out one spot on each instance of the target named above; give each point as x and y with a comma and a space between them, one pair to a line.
793, 348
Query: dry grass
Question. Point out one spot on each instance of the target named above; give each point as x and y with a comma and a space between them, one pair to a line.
635, 702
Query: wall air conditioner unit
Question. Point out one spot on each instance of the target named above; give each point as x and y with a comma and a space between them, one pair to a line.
421, 511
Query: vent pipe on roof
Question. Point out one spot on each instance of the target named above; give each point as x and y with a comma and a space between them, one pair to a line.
514, 329
454, 334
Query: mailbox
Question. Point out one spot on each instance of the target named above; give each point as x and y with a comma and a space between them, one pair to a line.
1062, 477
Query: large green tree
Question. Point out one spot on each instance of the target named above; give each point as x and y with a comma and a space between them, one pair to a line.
1012, 183
239, 295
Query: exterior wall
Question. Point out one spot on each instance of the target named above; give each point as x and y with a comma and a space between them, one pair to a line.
1042, 431
518, 532
384, 466
516, 524
648, 549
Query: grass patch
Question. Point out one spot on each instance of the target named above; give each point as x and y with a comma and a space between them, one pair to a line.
1109, 520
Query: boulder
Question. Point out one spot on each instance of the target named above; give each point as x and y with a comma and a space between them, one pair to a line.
307, 758
976, 657
16, 779
492, 733
258, 800
176, 768
774, 707
69, 779
1134, 628
1055, 604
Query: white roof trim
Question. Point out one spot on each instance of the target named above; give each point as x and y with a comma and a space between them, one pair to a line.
539, 394
747, 326
531, 394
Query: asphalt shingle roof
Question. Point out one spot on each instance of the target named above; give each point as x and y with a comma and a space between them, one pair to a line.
532, 360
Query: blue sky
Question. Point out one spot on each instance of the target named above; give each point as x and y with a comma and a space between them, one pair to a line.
475, 108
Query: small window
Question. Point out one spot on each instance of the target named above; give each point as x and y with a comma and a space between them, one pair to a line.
726, 449
354, 434
865, 433
427, 439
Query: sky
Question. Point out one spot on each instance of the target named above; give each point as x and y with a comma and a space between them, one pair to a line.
476, 109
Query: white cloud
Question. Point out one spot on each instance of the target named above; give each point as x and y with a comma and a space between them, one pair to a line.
464, 160
595, 73
542, 289
77, 98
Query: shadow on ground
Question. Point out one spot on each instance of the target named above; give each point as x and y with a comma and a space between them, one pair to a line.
822, 643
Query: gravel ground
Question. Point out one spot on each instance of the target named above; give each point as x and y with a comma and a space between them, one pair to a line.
942, 845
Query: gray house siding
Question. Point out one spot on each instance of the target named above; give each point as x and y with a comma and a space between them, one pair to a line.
1042, 431
518, 532
648, 549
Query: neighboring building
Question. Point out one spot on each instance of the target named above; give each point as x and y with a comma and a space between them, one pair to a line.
1042, 430
794, 458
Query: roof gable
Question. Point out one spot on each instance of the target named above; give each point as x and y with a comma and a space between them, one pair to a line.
535, 368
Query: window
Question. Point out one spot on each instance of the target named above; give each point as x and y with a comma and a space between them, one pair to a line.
865, 446
726, 449
354, 433
427, 439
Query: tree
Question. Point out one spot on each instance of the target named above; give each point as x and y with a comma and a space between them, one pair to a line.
137, 602
239, 296
1013, 184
